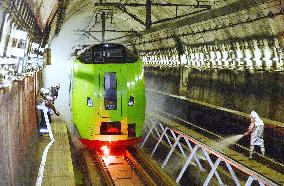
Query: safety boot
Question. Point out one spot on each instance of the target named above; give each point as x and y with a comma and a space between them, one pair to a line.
262, 151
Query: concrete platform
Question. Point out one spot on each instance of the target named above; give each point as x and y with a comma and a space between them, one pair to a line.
58, 168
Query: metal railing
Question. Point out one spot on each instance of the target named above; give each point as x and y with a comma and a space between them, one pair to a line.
173, 138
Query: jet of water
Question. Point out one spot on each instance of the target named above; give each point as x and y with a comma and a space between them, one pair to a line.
224, 143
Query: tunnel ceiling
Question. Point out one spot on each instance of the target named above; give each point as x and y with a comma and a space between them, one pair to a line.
44, 10
191, 22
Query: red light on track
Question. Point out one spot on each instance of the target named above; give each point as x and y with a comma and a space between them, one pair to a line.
108, 159
105, 150
114, 147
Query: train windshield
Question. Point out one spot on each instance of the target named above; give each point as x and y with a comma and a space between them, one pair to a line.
110, 91
108, 53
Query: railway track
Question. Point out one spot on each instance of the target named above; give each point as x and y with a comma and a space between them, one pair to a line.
236, 147
138, 167
124, 169
171, 133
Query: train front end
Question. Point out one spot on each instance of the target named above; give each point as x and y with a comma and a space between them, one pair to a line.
108, 96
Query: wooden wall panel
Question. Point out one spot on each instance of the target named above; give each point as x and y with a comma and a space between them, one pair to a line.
17, 131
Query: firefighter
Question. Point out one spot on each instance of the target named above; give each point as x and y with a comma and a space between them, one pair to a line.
47, 100
256, 131
54, 90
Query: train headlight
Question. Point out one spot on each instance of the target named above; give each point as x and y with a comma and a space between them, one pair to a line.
131, 101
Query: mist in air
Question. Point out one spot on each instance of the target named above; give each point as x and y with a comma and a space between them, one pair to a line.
62, 46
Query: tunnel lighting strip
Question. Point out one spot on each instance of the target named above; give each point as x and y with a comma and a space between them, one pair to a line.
45, 152
160, 129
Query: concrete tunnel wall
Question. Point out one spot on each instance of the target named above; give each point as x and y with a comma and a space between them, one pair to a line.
242, 91
243, 75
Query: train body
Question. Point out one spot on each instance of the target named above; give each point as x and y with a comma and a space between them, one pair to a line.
108, 96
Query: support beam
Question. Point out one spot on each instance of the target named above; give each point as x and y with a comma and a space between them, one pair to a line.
148, 23
89, 34
22, 16
153, 4
179, 46
113, 39
103, 16
148, 14
117, 31
123, 9
180, 16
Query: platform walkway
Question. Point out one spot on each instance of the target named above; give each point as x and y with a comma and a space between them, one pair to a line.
58, 168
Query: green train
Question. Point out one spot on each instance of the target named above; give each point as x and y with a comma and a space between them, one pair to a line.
108, 96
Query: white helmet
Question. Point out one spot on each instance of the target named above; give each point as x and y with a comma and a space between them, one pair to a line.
44, 92
253, 114
56, 86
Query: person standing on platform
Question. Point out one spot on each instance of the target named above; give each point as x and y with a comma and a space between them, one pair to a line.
256, 131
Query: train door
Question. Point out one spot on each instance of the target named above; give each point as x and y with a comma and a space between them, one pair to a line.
112, 101
111, 93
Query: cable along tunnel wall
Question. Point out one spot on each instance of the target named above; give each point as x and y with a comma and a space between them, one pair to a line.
172, 136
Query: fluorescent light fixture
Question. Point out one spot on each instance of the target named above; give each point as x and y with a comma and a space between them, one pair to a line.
18, 34
32, 55
267, 55
35, 45
19, 52
41, 49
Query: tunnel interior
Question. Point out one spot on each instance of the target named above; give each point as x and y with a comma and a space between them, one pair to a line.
224, 58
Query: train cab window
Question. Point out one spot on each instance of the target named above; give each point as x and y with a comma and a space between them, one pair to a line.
108, 53
98, 54
110, 96
87, 57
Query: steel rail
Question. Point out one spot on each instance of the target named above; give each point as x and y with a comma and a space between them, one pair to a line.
147, 180
103, 169
156, 175
97, 164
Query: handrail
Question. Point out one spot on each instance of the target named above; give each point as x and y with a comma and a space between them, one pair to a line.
163, 130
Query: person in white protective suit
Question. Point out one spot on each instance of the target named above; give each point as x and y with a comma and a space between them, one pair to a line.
256, 131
